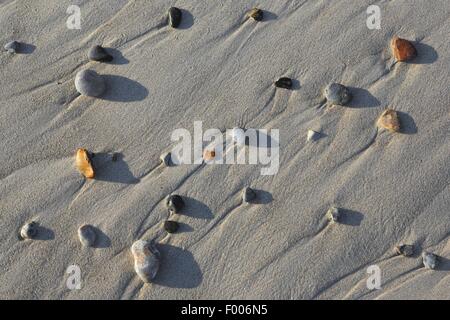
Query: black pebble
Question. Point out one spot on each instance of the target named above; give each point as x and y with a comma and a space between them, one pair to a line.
171, 226
284, 83
98, 53
248, 195
175, 15
175, 203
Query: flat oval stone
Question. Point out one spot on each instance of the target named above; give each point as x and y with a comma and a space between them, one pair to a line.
256, 14
430, 260
285, 83
90, 83
404, 250
248, 195
171, 226
12, 47
175, 16
84, 164
98, 53
402, 49
389, 121
338, 94
146, 259
175, 203
87, 235
29, 230
333, 214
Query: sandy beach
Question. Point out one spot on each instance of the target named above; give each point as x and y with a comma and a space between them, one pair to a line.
218, 67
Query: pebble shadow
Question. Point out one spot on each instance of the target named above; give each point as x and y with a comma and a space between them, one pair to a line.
121, 89
112, 171
187, 20
362, 98
351, 218
118, 58
26, 48
425, 54
196, 209
102, 241
408, 126
262, 197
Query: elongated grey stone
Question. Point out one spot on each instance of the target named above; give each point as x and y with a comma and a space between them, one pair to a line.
146, 259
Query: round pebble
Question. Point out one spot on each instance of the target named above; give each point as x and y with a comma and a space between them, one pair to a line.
98, 53
285, 83
171, 226
175, 16
248, 195
337, 94
29, 230
175, 203
146, 259
90, 83
87, 235
430, 260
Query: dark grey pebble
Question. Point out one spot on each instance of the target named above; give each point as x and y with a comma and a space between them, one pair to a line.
175, 16
248, 195
87, 235
175, 203
256, 14
29, 230
284, 83
406, 250
338, 94
166, 159
12, 47
90, 83
171, 226
98, 53
430, 260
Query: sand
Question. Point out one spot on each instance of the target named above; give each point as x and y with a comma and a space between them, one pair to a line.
218, 68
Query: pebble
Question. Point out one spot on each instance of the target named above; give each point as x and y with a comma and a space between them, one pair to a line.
285, 83
337, 94
402, 49
171, 226
430, 260
256, 14
12, 47
146, 259
389, 120
248, 195
90, 83
87, 235
312, 135
175, 16
209, 155
406, 250
166, 159
84, 164
29, 230
98, 53
333, 214
175, 203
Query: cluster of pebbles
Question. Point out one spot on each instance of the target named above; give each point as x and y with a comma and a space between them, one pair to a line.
146, 255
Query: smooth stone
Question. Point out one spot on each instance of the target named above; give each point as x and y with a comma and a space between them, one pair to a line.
29, 230
175, 16
238, 136
285, 83
333, 214
312, 135
389, 121
87, 235
406, 250
98, 53
402, 49
12, 47
175, 203
338, 94
90, 83
256, 14
171, 226
430, 260
146, 259
166, 159
248, 195
209, 155
84, 164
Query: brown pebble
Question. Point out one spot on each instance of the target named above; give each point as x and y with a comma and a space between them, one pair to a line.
402, 49
389, 120
83, 163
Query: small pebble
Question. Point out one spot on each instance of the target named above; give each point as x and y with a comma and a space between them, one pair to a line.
402, 49
338, 94
256, 14
389, 120
87, 235
84, 164
312, 135
209, 155
98, 53
29, 230
333, 214
430, 260
175, 16
166, 159
90, 83
248, 195
171, 226
404, 250
284, 83
12, 47
175, 203
146, 259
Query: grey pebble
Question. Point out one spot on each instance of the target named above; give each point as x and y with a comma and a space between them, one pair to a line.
337, 94
90, 83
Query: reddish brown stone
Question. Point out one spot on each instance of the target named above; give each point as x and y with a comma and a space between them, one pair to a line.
402, 49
